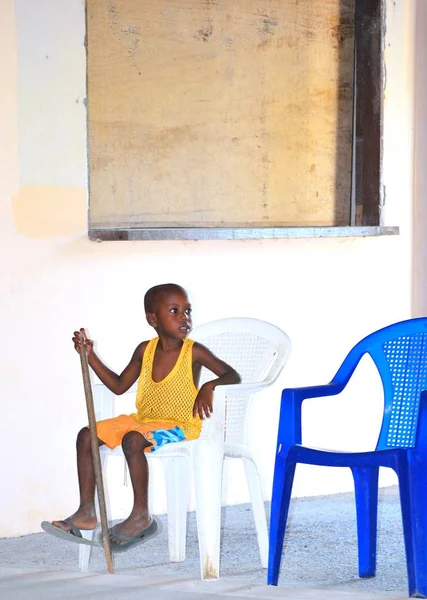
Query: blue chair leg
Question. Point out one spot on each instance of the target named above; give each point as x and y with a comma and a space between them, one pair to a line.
366, 491
413, 494
280, 501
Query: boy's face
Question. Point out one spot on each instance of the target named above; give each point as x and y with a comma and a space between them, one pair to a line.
172, 315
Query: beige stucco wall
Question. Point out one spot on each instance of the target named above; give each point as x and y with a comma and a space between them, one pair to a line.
326, 293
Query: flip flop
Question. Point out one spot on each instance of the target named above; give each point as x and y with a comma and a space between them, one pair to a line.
152, 530
72, 535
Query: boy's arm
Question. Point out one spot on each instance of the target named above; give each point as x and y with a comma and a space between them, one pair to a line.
118, 384
226, 375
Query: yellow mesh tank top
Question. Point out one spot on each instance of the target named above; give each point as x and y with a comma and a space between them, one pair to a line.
172, 398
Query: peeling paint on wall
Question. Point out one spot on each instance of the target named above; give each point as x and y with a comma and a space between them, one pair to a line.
42, 212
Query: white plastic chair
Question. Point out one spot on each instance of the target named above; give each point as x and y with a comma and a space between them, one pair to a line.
258, 351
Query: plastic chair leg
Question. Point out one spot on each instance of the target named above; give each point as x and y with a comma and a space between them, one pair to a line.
413, 493
280, 501
366, 491
255, 490
84, 550
208, 458
177, 477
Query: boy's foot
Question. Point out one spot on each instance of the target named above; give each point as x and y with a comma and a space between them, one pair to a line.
72, 534
79, 520
131, 527
69, 529
121, 542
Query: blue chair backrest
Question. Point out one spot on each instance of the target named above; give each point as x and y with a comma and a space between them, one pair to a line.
399, 352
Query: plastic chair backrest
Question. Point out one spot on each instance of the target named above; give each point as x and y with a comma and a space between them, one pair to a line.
399, 352
255, 348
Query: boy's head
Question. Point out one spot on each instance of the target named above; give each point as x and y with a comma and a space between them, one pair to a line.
168, 309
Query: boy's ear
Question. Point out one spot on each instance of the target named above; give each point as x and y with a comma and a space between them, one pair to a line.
151, 319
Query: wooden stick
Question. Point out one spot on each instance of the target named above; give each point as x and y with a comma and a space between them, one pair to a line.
96, 456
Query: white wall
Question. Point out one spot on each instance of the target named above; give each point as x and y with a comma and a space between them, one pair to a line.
326, 293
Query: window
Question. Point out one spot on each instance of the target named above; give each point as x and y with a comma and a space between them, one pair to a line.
235, 116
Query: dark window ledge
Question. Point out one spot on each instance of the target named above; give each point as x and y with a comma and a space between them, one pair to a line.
231, 233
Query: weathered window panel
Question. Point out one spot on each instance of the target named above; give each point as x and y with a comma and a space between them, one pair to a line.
220, 113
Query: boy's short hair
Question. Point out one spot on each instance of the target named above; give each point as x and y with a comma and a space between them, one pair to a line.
154, 294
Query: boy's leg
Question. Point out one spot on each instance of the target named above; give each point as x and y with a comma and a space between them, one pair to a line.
134, 444
85, 515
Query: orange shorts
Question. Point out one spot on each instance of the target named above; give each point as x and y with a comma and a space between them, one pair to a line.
158, 433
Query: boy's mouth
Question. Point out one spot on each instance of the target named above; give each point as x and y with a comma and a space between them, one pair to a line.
184, 328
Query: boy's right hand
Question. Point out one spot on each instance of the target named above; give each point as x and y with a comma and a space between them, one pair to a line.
80, 340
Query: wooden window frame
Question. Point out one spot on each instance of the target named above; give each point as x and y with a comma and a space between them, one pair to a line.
368, 111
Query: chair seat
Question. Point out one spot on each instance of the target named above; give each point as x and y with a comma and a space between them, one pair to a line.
175, 449
333, 458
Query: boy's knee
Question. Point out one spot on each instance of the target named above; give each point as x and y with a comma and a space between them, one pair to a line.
133, 442
83, 436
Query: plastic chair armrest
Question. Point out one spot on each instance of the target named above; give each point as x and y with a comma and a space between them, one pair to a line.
214, 428
316, 391
338, 383
290, 411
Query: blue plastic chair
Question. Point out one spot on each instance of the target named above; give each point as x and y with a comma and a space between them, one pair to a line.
399, 352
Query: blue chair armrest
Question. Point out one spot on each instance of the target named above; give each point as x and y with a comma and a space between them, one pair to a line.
338, 383
316, 391
290, 410
292, 398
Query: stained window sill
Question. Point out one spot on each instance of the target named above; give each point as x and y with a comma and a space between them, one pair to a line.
233, 233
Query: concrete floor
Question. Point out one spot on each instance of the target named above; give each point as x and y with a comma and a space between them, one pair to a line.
25, 584
320, 560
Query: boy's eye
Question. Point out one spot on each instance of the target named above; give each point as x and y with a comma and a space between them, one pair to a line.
188, 311
173, 310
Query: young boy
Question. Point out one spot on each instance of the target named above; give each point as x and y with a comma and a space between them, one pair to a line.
170, 408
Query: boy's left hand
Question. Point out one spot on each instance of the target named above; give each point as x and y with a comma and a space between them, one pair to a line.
203, 405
